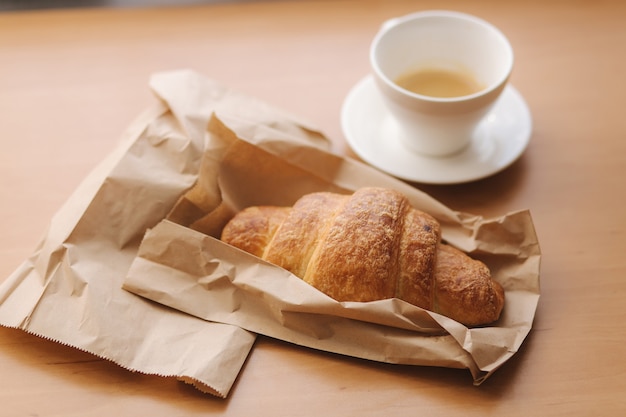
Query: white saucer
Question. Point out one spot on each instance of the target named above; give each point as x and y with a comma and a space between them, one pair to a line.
372, 133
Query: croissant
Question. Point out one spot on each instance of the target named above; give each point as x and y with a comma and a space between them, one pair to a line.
370, 245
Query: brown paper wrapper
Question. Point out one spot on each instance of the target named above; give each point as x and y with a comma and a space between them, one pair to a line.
70, 288
182, 264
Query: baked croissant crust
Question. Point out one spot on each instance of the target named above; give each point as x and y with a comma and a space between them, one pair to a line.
370, 245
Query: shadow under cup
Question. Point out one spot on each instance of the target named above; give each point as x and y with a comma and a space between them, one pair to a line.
448, 41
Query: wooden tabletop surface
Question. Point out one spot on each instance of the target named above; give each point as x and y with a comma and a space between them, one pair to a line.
72, 80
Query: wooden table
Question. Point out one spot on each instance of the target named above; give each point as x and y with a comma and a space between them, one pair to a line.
72, 80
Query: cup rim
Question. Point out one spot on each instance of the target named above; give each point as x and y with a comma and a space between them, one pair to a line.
388, 24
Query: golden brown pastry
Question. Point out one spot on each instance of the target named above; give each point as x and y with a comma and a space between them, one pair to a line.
370, 245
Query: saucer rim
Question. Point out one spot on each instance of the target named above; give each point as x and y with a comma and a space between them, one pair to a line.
514, 150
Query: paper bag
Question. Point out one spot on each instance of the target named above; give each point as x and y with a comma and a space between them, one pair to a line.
182, 264
70, 289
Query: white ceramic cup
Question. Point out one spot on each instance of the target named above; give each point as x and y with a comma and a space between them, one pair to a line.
440, 126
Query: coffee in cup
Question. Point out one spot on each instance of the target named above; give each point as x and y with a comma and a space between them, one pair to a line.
439, 72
